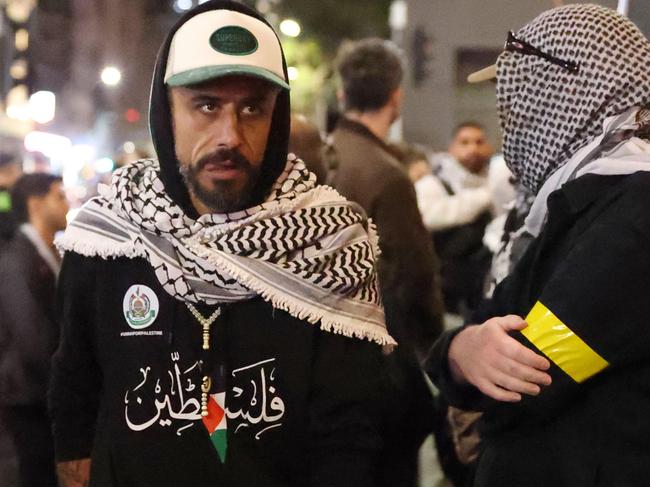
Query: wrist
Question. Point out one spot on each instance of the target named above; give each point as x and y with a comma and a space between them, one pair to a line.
455, 355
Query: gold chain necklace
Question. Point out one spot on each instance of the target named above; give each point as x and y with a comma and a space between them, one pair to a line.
205, 323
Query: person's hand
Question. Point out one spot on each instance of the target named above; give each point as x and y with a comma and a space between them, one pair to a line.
75, 473
497, 364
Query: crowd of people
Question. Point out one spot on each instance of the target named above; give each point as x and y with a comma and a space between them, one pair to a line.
258, 304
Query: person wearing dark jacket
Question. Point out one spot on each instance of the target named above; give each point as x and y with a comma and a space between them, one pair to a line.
221, 315
29, 328
10, 171
560, 362
369, 174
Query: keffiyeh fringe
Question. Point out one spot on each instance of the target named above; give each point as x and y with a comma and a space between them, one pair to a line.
306, 250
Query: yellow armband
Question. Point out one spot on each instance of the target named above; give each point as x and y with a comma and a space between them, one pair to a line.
560, 344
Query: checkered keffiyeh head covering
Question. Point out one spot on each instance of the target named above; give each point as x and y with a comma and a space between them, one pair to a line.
547, 113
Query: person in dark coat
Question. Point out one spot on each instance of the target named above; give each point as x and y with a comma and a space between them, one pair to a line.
558, 359
29, 327
368, 173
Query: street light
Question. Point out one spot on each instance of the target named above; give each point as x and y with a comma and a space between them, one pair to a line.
292, 72
182, 5
42, 106
111, 76
290, 27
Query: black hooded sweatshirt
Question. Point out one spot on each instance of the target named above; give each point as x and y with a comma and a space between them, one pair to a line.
303, 406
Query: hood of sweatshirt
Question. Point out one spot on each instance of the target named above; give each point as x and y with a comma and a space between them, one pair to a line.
239, 44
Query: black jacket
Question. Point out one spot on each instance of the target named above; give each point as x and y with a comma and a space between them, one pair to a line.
591, 267
29, 329
303, 404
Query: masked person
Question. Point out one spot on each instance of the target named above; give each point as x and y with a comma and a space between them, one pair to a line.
221, 315
564, 391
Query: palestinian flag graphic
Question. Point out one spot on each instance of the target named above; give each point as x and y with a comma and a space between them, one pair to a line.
216, 423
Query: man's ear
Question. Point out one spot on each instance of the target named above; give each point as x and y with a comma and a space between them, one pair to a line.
396, 98
34, 206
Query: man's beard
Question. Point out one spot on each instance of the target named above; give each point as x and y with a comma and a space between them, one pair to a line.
225, 197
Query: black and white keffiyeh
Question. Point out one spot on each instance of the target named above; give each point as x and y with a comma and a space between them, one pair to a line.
306, 249
548, 113
622, 148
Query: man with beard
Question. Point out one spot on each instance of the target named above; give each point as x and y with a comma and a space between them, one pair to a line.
221, 315
565, 390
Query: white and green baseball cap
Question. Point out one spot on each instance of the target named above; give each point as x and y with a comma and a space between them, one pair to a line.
221, 43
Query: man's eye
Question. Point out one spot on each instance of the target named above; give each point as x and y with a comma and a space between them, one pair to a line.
207, 107
251, 110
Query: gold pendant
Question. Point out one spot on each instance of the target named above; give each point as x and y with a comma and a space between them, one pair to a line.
205, 391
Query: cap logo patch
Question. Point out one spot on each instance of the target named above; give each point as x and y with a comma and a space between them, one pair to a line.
233, 40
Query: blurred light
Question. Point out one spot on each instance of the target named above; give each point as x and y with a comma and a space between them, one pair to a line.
292, 71
18, 112
18, 103
80, 155
19, 11
22, 39
202, 1
104, 165
398, 16
129, 147
132, 115
290, 27
182, 5
42, 106
18, 69
623, 7
54, 146
111, 76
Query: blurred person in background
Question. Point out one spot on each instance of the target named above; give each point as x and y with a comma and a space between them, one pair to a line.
10, 171
452, 189
456, 206
306, 143
222, 323
456, 439
367, 172
29, 327
564, 390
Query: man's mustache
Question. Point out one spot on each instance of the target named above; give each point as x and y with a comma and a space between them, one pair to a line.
222, 155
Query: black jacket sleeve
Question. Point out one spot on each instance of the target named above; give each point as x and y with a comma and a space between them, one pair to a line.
76, 377
345, 412
598, 290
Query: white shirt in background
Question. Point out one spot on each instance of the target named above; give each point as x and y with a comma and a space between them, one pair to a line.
438, 208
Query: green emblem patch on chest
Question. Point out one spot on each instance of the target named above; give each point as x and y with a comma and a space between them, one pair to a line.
233, 40
140, 306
